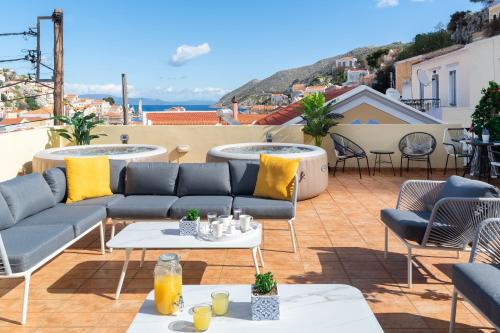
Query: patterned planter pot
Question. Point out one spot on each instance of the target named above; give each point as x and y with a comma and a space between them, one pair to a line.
188, 228
265, 307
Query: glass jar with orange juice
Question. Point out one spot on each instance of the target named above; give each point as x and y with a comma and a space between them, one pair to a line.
168, 284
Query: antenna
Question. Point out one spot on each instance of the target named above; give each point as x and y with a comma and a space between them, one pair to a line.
423, 78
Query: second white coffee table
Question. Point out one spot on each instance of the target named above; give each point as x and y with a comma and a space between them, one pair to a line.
165, 235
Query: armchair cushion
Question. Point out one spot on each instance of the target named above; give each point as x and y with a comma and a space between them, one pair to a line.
459, 187
479, 283
6, 219
27, 195
407, 224
151, 178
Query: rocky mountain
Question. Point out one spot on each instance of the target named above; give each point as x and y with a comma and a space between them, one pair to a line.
255, 91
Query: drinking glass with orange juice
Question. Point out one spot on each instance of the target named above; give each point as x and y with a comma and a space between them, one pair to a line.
168, 284
202, 315
220, 302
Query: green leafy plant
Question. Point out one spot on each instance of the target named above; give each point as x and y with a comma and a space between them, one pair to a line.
81, 126
192, 214
487, 113
318, 116
264, 283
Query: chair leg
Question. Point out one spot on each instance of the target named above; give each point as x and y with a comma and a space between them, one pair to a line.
386, 242
409, 263
456, 167
24, 313
292, 234
359, 168
343, 167
430, 165
368, 165
401, 167
143, 255
446, 164
453, 315
113, 229
101, 235
335, 167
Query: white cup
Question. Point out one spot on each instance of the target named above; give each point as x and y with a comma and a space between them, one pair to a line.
217, 229
231, 229
245, 222
226, 220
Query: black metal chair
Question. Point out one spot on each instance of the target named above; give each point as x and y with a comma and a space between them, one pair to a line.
417, 146
346, 149
454, 145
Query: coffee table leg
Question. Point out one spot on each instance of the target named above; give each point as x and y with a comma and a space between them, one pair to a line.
260, 256
254, 256
142, 257
124, 271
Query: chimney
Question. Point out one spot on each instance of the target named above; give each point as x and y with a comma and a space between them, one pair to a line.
235, 108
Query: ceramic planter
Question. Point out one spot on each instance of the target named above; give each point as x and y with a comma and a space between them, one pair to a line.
265, 307
188, 228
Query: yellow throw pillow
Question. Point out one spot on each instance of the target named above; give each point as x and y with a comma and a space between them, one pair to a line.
87, 178
275, 179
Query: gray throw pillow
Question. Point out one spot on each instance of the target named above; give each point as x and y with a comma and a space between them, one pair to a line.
459, 187
56, 178
27, 195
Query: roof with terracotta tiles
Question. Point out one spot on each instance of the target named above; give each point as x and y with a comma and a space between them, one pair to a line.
292, 111
196, 118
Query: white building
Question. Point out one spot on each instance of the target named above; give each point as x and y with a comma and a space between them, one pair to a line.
494, 11
347, 62
456, 78
279, 99
356, 76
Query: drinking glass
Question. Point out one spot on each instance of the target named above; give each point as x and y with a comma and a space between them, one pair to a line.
236, 213
211, 217
202, 314
220, 302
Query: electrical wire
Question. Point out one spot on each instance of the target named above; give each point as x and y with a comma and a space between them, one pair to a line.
31, 32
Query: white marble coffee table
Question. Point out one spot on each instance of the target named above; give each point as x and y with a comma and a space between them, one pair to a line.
316, 308
165, 235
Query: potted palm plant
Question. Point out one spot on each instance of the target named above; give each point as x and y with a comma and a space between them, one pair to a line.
81, 126
265, 301
188, 225
318, 116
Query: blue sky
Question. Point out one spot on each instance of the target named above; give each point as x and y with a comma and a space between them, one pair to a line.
200, 49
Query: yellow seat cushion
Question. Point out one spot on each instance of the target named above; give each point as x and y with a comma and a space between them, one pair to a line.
87, 178
275, 179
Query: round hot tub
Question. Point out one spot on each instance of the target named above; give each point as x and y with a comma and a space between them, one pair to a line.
313, 169
54, 157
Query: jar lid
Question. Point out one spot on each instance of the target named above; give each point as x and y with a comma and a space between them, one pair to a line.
166, 257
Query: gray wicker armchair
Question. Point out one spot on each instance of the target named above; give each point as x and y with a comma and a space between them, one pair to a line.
479, 281
439, 215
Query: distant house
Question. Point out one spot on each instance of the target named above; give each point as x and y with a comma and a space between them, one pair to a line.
279, 99
297, 92
314, 89
356, 76
347, 62
358, 105
494, 11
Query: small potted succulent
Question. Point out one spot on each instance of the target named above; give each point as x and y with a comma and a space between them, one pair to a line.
188, 226
265, 301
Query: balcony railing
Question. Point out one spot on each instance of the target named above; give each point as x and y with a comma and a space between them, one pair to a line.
424, 104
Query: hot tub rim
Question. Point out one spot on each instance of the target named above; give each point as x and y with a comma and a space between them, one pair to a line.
218, 153
47, 153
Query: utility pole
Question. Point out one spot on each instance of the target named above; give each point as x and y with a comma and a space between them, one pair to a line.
57, 18
125, 99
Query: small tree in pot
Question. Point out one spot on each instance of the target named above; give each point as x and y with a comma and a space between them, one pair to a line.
265, 301
318, 116
81, 126
487, 113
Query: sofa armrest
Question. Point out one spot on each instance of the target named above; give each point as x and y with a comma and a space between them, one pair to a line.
4, 260
420, 195
455, 221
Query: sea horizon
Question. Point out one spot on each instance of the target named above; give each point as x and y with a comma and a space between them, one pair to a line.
165, 107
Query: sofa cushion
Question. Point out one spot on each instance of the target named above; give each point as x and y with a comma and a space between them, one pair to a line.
27, 195
6, 219
409, 225
459, 187
137, 206
220, 204
81, 218
151, 178
204, 179
100, 201
243, 176
264, 208
56, 178
28, 245
479, 283
117, 170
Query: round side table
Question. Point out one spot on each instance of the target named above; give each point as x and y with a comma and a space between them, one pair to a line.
378, 159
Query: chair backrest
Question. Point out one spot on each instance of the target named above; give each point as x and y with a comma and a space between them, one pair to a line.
486, 246
344, 146
457, 134
417, 144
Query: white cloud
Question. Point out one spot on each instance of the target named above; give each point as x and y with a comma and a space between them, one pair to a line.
387, 3
185, 53
109, 88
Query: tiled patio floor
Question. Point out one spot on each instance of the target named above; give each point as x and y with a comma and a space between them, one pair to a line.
340, 241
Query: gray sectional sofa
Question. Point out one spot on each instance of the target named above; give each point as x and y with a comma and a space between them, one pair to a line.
36, 224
